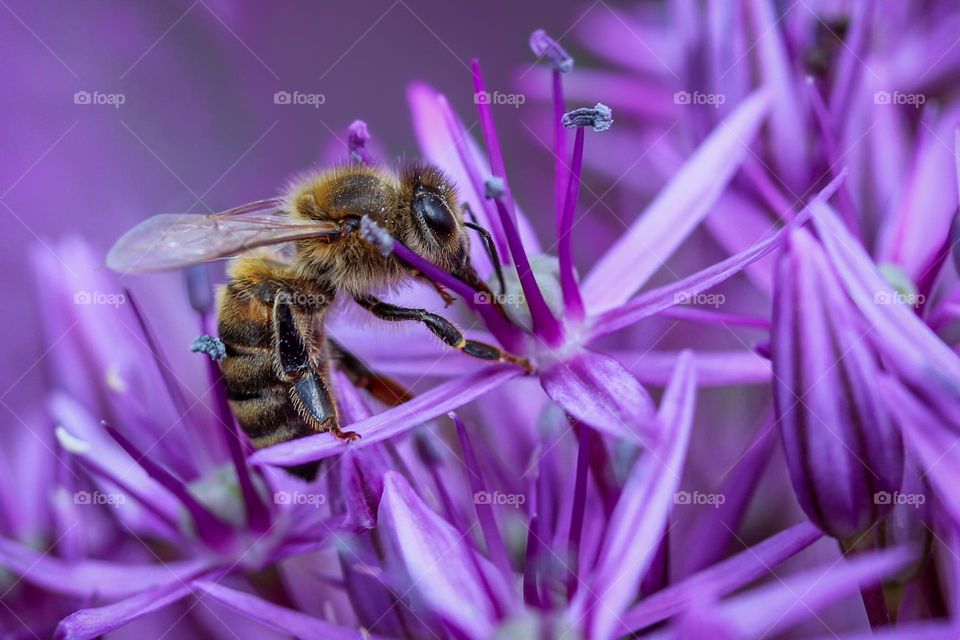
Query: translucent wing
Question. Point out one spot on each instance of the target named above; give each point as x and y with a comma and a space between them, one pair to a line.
174, 240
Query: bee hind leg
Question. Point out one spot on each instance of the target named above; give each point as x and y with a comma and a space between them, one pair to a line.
383, 388
310, 390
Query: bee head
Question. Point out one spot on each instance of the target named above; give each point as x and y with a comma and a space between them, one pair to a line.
431, 223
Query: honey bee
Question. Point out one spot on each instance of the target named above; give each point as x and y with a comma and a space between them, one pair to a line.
273, 351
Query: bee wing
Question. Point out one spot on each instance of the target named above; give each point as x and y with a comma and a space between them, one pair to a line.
174, 240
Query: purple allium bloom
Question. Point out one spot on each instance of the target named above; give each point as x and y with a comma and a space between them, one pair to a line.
566, 500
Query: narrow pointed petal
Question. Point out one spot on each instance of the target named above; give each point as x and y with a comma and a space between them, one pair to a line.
897, 331
770, 609
436, 559
714, 368
87, 624
599, 392
91, 578
786, 116
711, 534
934, 630
676, 211
723, 578
209, 527
932, 438
641, 514
439, 400
485, 513
912, 236
666, 296
280, 618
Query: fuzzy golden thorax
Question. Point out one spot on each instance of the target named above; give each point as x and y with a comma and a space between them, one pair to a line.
418, 206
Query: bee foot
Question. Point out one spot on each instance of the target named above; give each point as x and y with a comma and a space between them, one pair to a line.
347, 436
210, 345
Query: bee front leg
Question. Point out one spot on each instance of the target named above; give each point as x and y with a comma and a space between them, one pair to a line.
309, 387
442, 328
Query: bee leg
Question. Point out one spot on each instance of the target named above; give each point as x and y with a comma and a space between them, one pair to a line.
488, 246
386, 390
442, 328
439, 288
310, 390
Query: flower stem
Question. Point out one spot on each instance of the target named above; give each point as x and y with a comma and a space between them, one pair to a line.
571, 291
544, 323
559, 144
579, 506
874, 599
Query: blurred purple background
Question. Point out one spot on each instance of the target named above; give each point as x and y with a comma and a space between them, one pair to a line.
198, 129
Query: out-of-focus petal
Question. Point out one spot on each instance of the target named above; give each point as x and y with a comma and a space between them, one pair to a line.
597, 390
778, 605
92, 578
640, 516
660, 298
714, 368
932, 438
912, 236
900, 334
439, 400
676, 210
436, 560
94, 622
722, 578
786, 115
281, 618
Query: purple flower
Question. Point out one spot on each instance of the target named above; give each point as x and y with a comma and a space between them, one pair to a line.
843, 451
611, 478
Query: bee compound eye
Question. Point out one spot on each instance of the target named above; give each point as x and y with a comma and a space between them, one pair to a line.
434, 212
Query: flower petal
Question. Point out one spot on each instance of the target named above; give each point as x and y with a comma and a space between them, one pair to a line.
932, 438
96, 621
436, 559
912, 234
91, 578
714, 368
660, 298
768, 610
439, 400
722, 578
786, 117
902, 336
676, 210
597, 390
281, 618
640, 516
